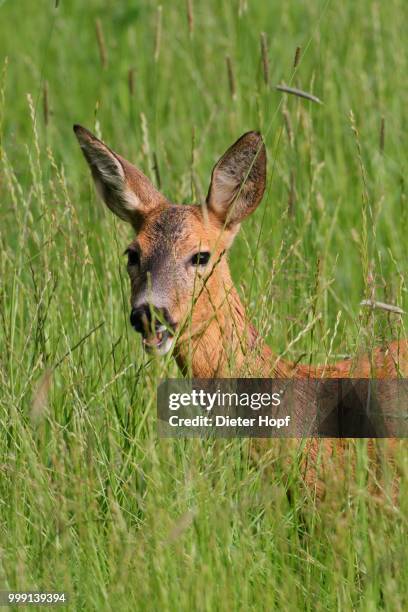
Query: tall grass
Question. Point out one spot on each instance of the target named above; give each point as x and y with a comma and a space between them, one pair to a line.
91, 502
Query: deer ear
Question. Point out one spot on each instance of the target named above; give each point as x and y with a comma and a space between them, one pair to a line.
238, 179
123, 188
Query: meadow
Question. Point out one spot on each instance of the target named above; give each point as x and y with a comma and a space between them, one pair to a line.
91, 501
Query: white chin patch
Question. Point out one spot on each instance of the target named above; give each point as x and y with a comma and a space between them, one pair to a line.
165, 346
162, 348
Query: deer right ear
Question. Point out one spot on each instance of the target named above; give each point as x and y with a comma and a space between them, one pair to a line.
238, 180
124, 189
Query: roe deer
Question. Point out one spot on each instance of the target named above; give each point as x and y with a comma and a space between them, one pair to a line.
182, 295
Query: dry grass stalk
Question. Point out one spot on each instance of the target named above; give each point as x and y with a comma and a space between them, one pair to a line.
40, 398
292, 194
157, 43
297, 57
382, 305
192, 163
46, 105
190, 16
265, 57
103, 56
131, 81
156, 170
299, 92
231, 77
382, 135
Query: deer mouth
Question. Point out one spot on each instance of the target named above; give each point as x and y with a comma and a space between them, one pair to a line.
160, 342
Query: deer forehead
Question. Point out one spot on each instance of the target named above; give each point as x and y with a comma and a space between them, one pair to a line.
179, 229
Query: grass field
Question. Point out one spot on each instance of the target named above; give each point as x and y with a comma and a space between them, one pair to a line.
91, 502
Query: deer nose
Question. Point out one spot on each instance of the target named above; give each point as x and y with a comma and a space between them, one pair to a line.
141, 318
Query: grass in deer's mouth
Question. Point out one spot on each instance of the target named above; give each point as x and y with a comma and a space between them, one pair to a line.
161, 342
90, 501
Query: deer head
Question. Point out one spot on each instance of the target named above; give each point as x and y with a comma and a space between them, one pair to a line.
177, 262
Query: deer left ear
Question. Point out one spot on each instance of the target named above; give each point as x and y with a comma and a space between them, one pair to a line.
238, 180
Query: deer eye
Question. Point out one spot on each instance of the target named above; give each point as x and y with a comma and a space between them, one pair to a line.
133, 257
200, 259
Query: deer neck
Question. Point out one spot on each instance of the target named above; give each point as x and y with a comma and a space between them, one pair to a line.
226, 344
